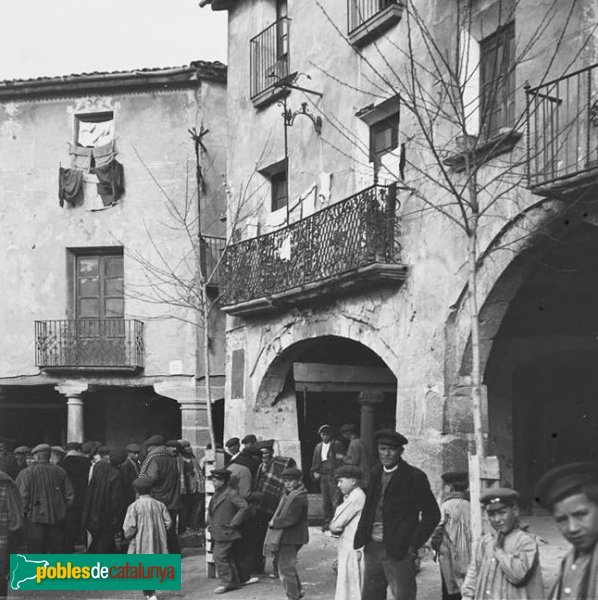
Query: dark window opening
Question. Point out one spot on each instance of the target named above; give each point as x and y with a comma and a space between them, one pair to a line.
384, 136
280, 197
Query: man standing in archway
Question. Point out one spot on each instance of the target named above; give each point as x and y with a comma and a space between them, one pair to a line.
328, 455
399, 515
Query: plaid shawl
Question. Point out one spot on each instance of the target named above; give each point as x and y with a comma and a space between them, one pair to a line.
155, 451
268, 482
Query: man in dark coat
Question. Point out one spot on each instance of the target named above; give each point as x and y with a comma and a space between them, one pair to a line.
8, 462
103, 511
47, 492
21, 455
328, 456
76, 464
399, 515
130, 470
11, 520
160, 467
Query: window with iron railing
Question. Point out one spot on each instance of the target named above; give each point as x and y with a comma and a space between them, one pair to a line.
361, 11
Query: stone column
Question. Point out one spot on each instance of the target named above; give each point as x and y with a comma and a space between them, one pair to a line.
368, 402
73, 390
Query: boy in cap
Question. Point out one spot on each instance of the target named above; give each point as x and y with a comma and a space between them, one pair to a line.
226, 512
328, 456
506, 565
399, 515
287, 531
349, 579
145, 525
571, 493
452, 538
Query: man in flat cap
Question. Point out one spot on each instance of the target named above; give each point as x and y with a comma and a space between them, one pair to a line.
226, 512
47, 492
287, 531
571, 493
21, 453
8, 462
350, 564
267, 490
232, 448
506, 564
328, 456
161, 468
399, 515
357, 453
452, 538
130, 470
76, 464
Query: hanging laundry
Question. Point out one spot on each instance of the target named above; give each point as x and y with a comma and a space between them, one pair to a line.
70, 186
103, 155
111, 182
80, 157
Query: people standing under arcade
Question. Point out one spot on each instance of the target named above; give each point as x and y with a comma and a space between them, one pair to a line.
328, 456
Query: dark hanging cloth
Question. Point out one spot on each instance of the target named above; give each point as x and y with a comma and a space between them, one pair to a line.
70, 186
111, 182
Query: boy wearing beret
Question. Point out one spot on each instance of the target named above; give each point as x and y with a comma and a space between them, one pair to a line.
226, 512
506, 565
571, 493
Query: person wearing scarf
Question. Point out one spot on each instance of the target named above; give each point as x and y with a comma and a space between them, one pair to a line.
287, 531
570, 492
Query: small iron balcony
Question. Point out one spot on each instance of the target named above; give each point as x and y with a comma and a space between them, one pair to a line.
347, 246
368, 19
89, 345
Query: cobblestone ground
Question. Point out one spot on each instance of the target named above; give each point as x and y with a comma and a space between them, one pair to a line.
315, 569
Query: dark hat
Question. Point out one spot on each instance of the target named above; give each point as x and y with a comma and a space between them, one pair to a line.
73, 446
497, 498
21, 450
349, 428
323, 428
391, 438
117, 456
223, 474
58, 450
252, 451
350, 471
133, 448
564, 481
455, 476
234, 441
41, 448
103, 450
88, 447
249, 439
155, 440
142, 484
174, 444
187, 451
292, 473
185, 443
265, 446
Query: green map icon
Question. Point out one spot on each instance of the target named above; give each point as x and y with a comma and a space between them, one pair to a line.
24, 569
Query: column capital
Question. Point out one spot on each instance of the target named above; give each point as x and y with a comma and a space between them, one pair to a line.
370, 399
72, 389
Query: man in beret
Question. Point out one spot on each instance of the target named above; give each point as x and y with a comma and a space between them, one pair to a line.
350, 564
571, 493
161, 468
452, 538
328, 456
76, 464
130, 470
357, 453
287, 531
226, 512
399, 515
249, 440
47, 492
267, 490
506, 564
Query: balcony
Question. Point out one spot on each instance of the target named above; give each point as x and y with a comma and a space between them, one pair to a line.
348, 246
369, 19
269, 62
212, 249
104, 345
562, 134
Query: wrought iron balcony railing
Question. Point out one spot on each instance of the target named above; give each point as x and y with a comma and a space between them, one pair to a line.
350, 244
269, 57
212, 249
562, 130
94, 344
361, 11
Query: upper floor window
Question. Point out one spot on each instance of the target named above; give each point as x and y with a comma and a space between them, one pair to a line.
497, 81
94, 129
280, 196
369, 19
384, 136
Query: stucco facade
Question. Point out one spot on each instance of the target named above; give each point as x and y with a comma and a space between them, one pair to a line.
419, 326
151, 111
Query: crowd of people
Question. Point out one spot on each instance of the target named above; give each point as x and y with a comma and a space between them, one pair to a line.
100, 499
94, 498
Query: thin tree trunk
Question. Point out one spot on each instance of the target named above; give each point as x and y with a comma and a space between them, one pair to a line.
206, 361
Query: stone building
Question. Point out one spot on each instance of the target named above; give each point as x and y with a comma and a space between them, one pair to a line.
346, 295
93, 168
